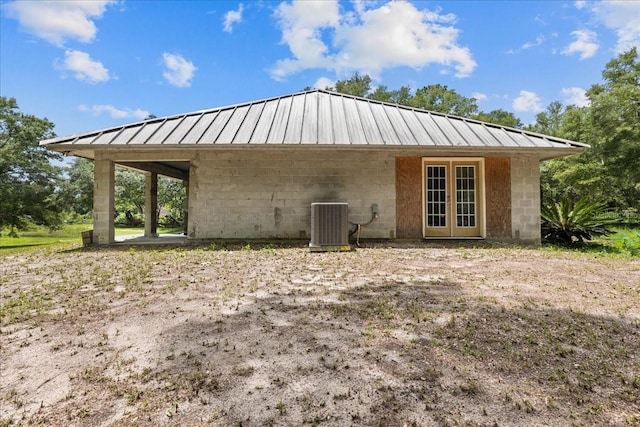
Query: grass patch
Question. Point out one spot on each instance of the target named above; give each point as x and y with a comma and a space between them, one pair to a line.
38, 236
623, 242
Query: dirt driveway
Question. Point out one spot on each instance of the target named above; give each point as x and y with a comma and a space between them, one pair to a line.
404, 335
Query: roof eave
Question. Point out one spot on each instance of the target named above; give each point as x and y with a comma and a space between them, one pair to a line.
88, 151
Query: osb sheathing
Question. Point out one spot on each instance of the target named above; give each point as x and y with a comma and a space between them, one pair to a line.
498, 197
409, 197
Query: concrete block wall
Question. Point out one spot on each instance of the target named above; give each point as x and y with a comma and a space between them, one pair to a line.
268, 193
103, 200
525, 199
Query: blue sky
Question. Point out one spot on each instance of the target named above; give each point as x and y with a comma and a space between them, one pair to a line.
88, 65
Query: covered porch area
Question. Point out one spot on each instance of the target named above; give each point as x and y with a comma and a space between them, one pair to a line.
104, 199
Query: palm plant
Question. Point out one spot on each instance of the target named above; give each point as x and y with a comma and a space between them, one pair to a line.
568, 223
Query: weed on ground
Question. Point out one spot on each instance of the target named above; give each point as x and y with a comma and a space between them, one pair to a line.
252, 335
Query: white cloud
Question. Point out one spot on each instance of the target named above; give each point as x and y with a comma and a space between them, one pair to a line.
323, 83
586, 44
301, 23
232, 17
538, 42
179, 71
575, 96
623, 17
580, 4
57, 21
116, 113
368, 40
479, 96
527, 102
83, 67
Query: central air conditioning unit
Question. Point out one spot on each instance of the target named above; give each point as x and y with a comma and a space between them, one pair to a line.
329, 227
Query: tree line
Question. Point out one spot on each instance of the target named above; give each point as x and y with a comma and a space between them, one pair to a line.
37, 188
34, 190
607, 173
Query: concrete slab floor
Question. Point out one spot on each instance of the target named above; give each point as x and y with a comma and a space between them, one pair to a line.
162, 239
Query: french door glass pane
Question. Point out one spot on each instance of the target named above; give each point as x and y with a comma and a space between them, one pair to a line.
436, 196
465, 196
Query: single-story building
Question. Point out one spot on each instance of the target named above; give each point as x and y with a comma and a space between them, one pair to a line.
253, 170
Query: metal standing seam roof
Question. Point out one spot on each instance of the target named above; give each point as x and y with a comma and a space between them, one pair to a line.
317, 117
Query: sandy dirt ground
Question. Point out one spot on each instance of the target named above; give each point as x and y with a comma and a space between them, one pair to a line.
259, 335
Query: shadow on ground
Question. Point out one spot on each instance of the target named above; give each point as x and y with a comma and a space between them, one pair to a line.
387, 352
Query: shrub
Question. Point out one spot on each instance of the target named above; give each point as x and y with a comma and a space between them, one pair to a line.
129, 219
569, 223
628, 241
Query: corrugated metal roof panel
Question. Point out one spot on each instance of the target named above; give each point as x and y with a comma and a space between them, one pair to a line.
293, 131
405, 136
182, 129
463, 130
280, 121
164, 130
212, 133
145, 133
325, 124
249, 125
523, 141
195, 133
371, 131
125, 136
339, 121
265, 121
232, 126
315, 117
418, 131
85, 140
452, 136
487, 138
106, 137
388, 134
502, 136
436, 136
354, 124
310, 119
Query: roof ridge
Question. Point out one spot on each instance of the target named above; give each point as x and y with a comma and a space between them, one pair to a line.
385, 104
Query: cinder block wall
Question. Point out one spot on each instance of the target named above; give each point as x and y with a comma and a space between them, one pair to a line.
525, 199
268, 193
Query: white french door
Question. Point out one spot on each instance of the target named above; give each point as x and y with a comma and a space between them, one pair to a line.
453, 198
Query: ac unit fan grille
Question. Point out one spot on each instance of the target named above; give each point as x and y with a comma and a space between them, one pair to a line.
329, 224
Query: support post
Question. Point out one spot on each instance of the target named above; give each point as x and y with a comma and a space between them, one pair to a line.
151, 205
103, 201
185, 225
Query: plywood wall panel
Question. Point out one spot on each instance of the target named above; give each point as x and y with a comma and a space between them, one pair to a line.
498, 197
408, 197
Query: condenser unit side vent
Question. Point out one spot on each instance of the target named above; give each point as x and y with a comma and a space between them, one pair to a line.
329, 226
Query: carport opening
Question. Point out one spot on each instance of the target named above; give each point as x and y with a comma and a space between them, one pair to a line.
151, 200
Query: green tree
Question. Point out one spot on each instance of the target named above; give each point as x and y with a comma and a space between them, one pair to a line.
437, 98
77, 189
549, 122
500, 117
28, 181
444, 100
357, 85
608, 172
172, 197
615, 123
129, 190
401, 96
